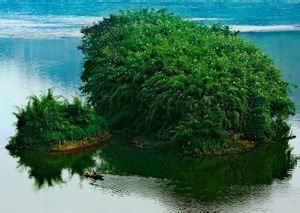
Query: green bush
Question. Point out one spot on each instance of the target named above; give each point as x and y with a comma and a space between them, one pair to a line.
49, 120
155, 74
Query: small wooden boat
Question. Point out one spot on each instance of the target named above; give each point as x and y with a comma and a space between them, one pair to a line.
94, 176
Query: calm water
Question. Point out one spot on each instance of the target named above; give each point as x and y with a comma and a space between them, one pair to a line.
38, 43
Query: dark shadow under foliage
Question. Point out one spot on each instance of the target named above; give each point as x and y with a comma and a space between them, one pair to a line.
47, 168
203, 179
157, 75
49, 120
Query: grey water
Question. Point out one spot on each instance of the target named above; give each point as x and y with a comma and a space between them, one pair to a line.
38, 50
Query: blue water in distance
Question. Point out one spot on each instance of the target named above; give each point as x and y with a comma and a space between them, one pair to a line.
57, 19
255, 12
38, 50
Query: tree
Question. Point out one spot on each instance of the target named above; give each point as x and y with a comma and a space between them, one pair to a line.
156, 75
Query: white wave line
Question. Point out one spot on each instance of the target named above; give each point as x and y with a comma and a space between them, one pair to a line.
50, 26
266, 28
207, 19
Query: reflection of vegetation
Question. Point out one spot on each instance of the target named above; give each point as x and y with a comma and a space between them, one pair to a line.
47, 120
47, 168
204, 178
161, 77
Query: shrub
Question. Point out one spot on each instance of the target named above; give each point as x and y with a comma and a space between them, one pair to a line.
153, 73
49, 120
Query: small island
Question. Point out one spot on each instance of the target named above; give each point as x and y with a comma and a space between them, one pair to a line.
167, 83
54, 124
180, 84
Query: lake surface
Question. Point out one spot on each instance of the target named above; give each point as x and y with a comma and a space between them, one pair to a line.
38, 50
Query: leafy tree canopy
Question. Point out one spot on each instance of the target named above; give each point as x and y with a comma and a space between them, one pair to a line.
155, 74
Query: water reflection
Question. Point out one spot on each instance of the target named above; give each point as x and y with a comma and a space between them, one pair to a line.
56, 62
47, 168
205, 178
162, 176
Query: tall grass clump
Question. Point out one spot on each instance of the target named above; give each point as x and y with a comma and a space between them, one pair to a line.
51, 120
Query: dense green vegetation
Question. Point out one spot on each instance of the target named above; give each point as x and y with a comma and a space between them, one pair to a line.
199, 87
49, 120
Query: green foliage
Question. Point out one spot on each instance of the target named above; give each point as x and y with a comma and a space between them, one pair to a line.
49, 120
152, 73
